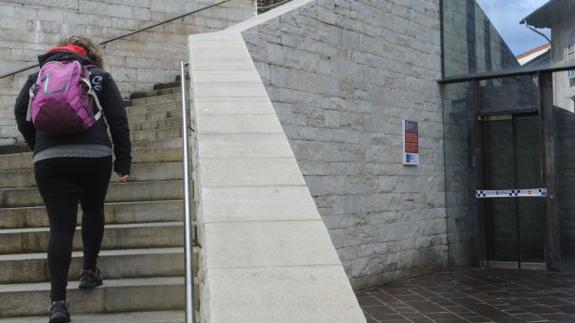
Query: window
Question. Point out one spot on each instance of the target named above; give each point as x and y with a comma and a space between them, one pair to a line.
570, 56
570, 50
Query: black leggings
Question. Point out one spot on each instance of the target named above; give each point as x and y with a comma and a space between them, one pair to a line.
63, 182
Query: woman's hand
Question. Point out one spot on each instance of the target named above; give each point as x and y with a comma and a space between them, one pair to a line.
122, 178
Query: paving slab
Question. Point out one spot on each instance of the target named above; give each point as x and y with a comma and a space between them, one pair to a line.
201, 77
239, 204
225, 90
233, 106
473, 295
227, 124
314, 294
250, 172
244, 146
268, 244
228, 66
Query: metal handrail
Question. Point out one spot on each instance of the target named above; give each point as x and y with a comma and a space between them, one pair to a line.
188, 247
514, 72
104, 43
272, 6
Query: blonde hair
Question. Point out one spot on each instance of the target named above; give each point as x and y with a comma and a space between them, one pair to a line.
94, 53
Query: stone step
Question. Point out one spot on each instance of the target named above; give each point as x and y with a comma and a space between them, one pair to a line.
141, 172
14, 148
116, 236
163, 98
115, 264
21, 161
116, 213
156, 106
136, 317
146, 112
159, 89
156, 134
126, 192
160, 144
121, 295
173, 122
142, 259
176, 85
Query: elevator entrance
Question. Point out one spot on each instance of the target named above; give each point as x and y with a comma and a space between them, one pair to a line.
513, 205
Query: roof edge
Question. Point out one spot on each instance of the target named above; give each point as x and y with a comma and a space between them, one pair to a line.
536, 13
534, 50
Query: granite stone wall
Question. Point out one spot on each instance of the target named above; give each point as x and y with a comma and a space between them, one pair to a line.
342, 75
29, 27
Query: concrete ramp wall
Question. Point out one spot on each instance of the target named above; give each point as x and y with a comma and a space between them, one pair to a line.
266, 254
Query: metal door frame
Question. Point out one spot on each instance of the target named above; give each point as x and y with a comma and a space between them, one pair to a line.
552, 247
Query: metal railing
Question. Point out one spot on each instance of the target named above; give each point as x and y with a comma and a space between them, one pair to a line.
267, 5
188, 230
104, 43
188, 247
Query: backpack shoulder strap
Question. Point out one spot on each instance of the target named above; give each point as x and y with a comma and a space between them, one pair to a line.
31, 93
91, 92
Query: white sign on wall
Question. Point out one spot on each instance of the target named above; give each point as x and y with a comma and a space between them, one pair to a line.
410, 143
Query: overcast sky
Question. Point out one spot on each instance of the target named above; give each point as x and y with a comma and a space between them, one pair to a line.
506, 15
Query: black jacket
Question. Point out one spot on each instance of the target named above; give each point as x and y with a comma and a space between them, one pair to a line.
114, 112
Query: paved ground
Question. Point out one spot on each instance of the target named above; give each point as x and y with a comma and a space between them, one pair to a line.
474, 296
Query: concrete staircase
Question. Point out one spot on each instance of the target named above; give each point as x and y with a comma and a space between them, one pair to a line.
142, 259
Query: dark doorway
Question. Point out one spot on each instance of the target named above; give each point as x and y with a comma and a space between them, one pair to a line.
514, 226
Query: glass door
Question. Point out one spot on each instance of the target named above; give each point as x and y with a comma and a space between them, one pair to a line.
514, 226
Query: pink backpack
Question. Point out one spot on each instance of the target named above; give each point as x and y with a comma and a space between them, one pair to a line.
62, 99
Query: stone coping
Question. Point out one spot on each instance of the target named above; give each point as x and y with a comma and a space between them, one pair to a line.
266, 253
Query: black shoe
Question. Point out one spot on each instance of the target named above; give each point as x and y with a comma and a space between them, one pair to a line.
59, 312
90, 279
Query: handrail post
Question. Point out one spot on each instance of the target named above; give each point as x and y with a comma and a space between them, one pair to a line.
188, 247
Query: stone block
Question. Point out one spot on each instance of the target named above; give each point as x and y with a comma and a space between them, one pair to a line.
223, 90
257, 204
214, 44
250, 172
27, 13
62, 4
6, 10
244, 146
230, 66
216, 77
318, 294
237, 124
141, 14
88, 7
268, 244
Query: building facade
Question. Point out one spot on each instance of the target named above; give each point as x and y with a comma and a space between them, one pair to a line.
343, 76
29, 28
557, 15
